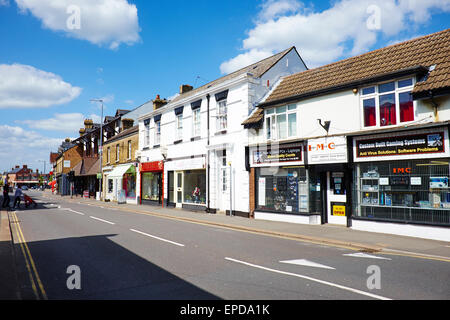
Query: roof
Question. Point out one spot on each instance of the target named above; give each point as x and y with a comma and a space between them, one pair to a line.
433, 49
125, 133
121, 112
87, 167
413, 56
257, 70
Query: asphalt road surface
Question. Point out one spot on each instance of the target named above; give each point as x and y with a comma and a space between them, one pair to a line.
68, 250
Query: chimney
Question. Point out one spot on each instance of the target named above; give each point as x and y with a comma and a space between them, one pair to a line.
158, 103
88, 123
25, 166
17, 167
185, 88
82, 131
127, 123
67, 140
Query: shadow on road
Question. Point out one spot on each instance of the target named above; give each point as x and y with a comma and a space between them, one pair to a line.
107, 271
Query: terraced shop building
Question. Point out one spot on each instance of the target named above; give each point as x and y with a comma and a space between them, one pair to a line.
361, 142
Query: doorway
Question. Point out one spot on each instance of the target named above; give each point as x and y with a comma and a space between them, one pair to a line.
178, 196
336, 198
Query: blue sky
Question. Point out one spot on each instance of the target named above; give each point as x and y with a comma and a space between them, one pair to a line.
128, 51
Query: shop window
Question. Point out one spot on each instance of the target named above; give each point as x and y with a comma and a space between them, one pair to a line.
407, 191
110, 185
129, 185
194, 187
151, 186
392, 101
281, 189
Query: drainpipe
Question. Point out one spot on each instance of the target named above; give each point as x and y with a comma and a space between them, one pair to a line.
435, 106
208, 208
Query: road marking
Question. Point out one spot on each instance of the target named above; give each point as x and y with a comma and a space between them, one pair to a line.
307, 263
27, 256
101, 220
158, 238
364, 255
68, 209
311, 279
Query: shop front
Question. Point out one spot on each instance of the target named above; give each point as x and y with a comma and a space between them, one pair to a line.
121, 184
152, 191
402, 178
281, 186
187, 183
329, 177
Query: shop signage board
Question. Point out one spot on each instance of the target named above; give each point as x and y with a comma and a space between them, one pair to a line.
338, 209
397, 146
327, 150
186, 164
276, 155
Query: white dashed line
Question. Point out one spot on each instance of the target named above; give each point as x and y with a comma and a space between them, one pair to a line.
158, 238
67, 209
101, 220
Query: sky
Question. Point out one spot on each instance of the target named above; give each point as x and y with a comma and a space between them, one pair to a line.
55, 56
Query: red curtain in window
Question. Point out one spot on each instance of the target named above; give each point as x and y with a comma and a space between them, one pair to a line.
369, 113
387, 110
406, 107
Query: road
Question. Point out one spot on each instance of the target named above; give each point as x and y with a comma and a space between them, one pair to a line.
71, 250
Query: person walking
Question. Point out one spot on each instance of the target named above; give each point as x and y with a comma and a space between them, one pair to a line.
6, 198
18, 194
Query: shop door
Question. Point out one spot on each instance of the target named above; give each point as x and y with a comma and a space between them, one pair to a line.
178, 196
336, 198
223, 195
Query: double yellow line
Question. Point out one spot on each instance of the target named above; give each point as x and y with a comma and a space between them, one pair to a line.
35, 280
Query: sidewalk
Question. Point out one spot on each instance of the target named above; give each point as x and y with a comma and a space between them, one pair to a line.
323, 234
9, 288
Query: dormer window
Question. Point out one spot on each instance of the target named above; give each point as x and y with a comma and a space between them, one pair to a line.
387, 103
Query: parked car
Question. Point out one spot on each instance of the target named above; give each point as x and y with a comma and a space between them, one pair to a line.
24, 188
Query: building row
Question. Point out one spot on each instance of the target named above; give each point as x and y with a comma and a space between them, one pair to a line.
24, 176
361, 142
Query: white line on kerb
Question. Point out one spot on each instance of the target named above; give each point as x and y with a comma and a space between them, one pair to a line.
158, 238
311, 279
101, 220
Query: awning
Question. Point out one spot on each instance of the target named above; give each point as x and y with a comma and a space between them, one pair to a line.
118, 172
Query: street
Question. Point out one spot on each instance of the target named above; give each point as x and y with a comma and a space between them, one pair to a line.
67, 249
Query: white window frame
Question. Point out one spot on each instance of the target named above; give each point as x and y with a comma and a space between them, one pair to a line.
222, 114
179, 124
376, 95
196, 122
157, 133
108, 155
270, 115
129, 149
147, 136
117, 152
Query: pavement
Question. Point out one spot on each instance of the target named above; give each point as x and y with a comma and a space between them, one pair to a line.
333, 235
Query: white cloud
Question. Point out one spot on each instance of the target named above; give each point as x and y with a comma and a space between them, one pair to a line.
101, 22
4, 3
23, 86
64, 122
325, 36
20, 147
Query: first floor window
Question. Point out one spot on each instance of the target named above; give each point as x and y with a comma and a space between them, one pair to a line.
370, 119
387, 110
157, 132
196, 122
117, 153
180, 127
222, 115
129, 149
147, 136
406, 107
281, 122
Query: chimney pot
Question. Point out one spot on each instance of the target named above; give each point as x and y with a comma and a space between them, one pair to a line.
185, 88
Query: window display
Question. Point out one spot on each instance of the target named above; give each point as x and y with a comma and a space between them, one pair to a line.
195, 186
283, 189
129, 181
410, 190
151, 186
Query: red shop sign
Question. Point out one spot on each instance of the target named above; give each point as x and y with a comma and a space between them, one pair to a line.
152, 166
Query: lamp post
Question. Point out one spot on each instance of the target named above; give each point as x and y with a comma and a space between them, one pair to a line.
44, 164
101, 147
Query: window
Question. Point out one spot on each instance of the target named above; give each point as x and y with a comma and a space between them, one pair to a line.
179, 135
281, 122
157, 132
196, 122
388, 103
108, 155
223, 170
129, 150
222, 115
147, 135
117, 153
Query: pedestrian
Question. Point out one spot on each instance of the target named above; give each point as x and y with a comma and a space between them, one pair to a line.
18, 194
6, 198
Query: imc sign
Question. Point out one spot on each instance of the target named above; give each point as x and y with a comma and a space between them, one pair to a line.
327, 150
414, 145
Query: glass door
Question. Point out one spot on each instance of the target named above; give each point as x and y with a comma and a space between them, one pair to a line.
179, 175
336, 198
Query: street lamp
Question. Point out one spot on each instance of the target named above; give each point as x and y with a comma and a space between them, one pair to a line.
101, 146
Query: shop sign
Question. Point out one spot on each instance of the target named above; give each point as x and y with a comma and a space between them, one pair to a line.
152, 166
395, 147
267, 155
338, 210
327, 150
